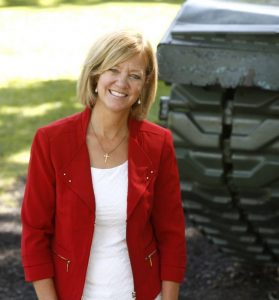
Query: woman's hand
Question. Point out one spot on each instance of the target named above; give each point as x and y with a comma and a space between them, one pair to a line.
170, 290
45, 289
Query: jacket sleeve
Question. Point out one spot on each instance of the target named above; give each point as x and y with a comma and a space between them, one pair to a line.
37, 214
168, 217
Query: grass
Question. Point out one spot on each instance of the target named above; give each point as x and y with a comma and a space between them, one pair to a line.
50, 43
41, 52
26, 108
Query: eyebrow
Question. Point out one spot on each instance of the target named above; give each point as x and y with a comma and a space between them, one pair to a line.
137, 70
133, 70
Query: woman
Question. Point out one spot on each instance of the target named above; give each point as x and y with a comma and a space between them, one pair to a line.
102, 216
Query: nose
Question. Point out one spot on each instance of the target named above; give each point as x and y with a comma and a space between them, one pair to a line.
122, 80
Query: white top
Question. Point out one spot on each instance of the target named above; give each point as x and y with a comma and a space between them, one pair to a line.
109, 274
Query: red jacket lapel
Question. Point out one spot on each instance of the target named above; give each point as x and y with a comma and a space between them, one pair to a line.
77, 176
139, 169
77, 173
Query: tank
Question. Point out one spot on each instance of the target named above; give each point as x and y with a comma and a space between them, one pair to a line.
222, 61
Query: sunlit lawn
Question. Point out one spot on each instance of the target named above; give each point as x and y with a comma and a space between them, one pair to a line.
41, 51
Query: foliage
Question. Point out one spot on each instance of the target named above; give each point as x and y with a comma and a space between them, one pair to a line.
26, 107
41, 52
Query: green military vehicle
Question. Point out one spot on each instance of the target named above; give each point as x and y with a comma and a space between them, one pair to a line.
222, 61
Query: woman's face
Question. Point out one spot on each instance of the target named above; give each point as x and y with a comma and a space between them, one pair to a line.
120, 86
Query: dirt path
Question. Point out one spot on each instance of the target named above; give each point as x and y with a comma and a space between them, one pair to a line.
211, 275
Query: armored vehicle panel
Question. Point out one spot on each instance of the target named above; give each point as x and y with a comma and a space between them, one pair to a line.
221, 42
222, 59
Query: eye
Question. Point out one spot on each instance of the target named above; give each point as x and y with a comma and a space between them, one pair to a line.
135, 76
113, 70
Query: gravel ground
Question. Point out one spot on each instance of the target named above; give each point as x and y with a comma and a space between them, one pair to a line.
210, 275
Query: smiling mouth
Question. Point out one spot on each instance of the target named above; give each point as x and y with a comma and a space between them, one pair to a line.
117, 94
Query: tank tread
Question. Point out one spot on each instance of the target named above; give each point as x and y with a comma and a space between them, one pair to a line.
227, 147
261, 102
204, 167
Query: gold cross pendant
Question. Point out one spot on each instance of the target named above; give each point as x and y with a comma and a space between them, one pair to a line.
106, 156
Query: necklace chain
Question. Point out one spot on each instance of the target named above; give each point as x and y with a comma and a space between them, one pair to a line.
107, 153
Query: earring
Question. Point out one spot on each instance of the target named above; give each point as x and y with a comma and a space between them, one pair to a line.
96, 91
139, 101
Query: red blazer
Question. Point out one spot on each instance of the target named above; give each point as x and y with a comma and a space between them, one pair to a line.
58, 209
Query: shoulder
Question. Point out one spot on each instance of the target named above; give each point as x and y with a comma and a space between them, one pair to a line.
61, 126
147, 127
61, 139
154, 134
153, 138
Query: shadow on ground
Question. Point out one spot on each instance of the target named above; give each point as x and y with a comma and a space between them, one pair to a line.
210, 274
26, 107
23, 109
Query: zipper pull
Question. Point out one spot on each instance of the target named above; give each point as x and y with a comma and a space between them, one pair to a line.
149, 257
67, 261
67, 265
150, 260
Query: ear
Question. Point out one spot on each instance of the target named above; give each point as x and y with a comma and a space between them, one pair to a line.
95, 83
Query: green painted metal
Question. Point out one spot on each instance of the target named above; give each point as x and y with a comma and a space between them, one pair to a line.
222, 59
230, 43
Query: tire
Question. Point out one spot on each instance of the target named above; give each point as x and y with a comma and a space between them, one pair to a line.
227, 147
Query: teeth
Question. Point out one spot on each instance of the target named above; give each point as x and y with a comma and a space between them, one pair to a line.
117, 94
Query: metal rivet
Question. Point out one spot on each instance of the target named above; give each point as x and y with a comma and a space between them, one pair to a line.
64, 174
70, 180
147, 177
151, 171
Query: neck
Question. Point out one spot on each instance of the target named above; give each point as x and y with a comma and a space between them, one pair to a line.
108, 124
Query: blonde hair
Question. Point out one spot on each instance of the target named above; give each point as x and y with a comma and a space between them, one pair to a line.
110, 50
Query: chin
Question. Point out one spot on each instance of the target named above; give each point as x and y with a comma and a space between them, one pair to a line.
118, 109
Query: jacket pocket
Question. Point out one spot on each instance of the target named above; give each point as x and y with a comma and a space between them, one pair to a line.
62, 256
149, 257
64, 259
151, 254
